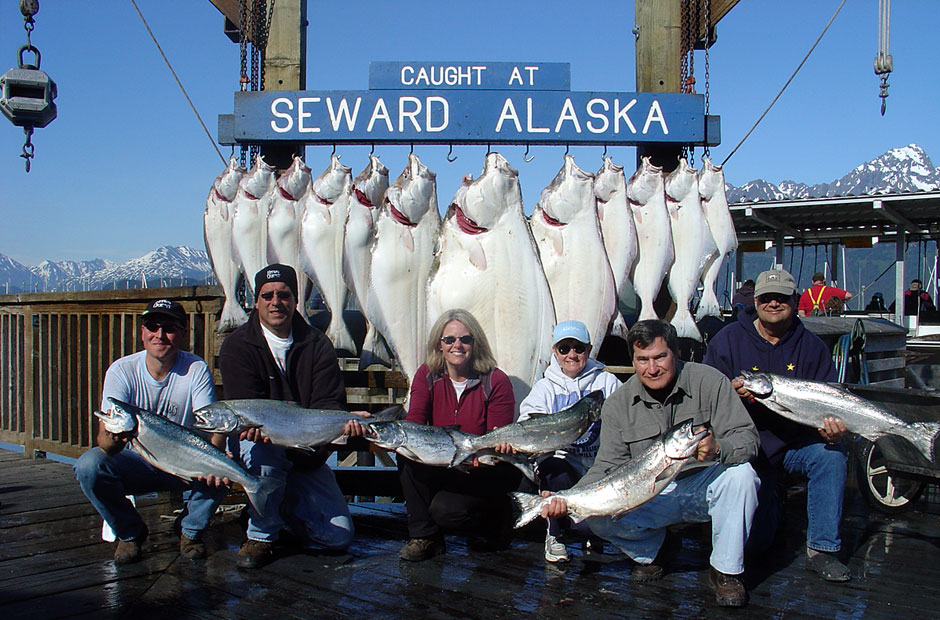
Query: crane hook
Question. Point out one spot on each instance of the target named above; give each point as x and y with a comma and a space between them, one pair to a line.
450, 152
526, 157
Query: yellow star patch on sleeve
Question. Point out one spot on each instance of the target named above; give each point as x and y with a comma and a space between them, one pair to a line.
754, 368
791, 366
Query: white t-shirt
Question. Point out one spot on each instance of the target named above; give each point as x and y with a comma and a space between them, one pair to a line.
278, 347
187, 387
459, 387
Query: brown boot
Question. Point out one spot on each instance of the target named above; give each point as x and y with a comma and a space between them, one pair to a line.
418, 549
254, 554
192, 549
729, 591
128, 551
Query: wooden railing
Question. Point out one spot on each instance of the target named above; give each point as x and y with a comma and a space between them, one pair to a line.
56, 347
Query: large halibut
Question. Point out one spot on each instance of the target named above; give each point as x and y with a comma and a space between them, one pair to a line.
619, 232
647, 200
250, 220
402, 254
566, 231
711, 188
488, 264
284, 221
217, 228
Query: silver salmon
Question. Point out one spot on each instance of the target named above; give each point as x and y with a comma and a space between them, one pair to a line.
177, 450
627, 486
810, 402
285, 423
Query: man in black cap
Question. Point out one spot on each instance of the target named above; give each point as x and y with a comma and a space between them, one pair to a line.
169, 382
276, 355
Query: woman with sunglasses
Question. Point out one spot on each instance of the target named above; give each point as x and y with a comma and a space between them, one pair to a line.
459, 384
571, 375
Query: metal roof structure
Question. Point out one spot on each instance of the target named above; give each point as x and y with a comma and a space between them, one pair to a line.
832, 220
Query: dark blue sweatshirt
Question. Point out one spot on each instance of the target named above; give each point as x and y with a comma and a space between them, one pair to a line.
800, 353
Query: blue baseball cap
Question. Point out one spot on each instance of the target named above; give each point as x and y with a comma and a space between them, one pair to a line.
571, 329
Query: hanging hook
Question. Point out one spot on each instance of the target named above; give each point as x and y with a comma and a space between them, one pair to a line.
372, 152
28, 149
412, 149
232, 154
567, 146
333, 152
487, 148
604, 154
525, 156
450, 152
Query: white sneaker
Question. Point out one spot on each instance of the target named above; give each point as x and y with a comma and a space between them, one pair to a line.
554, 550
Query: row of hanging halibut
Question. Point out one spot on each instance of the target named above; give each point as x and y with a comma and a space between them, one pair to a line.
592, 241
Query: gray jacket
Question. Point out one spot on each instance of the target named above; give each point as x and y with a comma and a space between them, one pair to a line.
632, 419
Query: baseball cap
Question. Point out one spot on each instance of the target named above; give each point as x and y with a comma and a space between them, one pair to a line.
165, 307
774, 281
571, 329
277, 273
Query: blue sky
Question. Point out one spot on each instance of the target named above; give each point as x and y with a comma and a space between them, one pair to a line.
126, 168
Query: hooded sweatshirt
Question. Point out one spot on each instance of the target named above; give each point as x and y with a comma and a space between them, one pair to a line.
799, 354
557, 391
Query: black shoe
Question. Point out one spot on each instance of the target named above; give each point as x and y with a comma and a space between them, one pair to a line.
420, 549
129, 551
191, 548
644, 573
828, 566
729, 590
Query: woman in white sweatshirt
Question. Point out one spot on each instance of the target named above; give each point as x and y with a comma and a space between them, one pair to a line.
571, 375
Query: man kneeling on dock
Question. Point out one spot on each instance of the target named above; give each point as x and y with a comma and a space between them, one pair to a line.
719, 485
169, 382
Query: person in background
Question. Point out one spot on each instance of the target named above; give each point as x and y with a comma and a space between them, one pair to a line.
276, 355
744, 295
170, 382
813, 300
768, 338
877, 304
916, 300
459, 384
718, 485
571, 375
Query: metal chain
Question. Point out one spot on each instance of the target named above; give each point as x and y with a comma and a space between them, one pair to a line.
684, 59
266, 27
28, 148
708, 33
243, 58
29, 8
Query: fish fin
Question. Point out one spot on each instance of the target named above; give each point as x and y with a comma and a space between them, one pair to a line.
259, 495
478, 256
408, 454
389, 414
575, 516
526, 507
923, 436
527, 469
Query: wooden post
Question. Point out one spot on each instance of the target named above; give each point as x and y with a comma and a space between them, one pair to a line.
899, 277
658, 60
285, 67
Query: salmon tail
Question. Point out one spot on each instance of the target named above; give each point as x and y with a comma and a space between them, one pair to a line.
258, 494
526, 507
923, 435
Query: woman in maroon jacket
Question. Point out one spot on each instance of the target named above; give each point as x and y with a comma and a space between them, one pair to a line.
459, 384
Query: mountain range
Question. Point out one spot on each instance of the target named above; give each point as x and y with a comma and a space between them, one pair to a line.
900, 170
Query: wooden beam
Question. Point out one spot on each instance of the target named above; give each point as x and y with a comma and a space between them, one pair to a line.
718, 9
230, 9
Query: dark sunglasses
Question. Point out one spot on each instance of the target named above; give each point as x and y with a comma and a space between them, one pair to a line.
281, 295
766, 298
564, 348
167, 326
468, 339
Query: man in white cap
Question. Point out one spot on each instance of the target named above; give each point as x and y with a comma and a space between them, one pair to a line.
571, 375
768, 337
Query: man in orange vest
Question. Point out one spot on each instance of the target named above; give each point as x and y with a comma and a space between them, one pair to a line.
815, 297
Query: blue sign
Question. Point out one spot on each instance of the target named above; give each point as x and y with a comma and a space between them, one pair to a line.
426, 75
469, 117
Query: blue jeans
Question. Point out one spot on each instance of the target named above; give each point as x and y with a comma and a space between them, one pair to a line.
726, 496
106, 480
309, 503
824, 467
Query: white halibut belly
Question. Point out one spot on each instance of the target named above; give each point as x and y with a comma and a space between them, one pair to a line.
250, 234
578, 272
655, 254
398, 287
218, 234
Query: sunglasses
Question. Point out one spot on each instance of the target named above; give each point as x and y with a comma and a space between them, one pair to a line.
766, 298
564, 348
281, 295
468, 339
167, 326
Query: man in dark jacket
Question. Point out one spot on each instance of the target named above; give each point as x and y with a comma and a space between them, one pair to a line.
276, 355
769, 338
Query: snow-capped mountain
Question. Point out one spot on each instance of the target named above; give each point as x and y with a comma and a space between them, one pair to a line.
900, 170
166, 266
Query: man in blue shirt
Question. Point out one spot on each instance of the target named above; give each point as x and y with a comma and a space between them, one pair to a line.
769, 337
